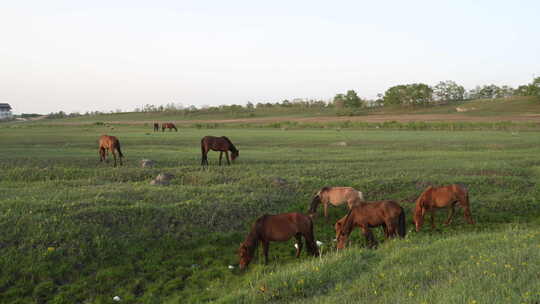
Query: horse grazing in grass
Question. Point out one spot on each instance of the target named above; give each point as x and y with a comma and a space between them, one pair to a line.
168, 125
221, 144
278, 228
388, 214
156, 127
335, 196
439, 197
109, 143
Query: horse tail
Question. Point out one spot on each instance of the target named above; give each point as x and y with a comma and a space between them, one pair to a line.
118, 149
360, 196
311, 244
402, 229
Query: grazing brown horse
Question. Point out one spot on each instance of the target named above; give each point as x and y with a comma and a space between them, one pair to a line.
440, 197
366, 215
156, 127
277, 228
335, 196
109, 143
168, 125
221, 144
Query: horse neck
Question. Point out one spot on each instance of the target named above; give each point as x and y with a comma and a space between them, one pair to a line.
231, 146
252, 240
423, 201
349, 220
314, 203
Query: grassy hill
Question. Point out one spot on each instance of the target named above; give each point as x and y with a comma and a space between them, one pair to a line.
515, 108
77, 231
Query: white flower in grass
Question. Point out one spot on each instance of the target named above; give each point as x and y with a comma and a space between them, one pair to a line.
296, 245
231, 267
319, 243
116, 298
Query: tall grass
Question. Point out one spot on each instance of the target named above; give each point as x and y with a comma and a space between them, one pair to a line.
77, 231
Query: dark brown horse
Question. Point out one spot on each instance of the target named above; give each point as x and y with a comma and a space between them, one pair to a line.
388, 214
439, 197
168, 125
156, 127
335, 196
278, 228
109, 143
221, 144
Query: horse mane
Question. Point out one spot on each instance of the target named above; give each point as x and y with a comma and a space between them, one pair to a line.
252, 239
423, 197
315, 202
347, 225
231, 146
317, 199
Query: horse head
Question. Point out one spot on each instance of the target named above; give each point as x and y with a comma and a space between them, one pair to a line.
418, 217
235, 154
341, 235
244, 254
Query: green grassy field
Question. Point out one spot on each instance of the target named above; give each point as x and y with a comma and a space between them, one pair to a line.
77, 231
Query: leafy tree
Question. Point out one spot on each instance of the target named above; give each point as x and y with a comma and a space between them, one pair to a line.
531, 89
409, 95
348, 100
448, 91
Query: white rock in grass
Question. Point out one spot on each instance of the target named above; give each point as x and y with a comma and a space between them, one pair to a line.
296, 245
116, 298
319, 243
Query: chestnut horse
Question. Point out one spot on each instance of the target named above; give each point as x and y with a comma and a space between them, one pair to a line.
278, 228
221, 144
335, 196
388, 214
168, 125
109, 143
156, 127
440, 197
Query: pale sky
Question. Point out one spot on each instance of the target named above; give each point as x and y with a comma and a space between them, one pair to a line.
106, 55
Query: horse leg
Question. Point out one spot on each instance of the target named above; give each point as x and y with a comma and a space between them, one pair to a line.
369, 237
467, 214
220, 157
204, 156
298, 237
385, 228
101, 154
433, 218
227, 156
391, 228
450, 214
326, 211
114, 155
464, 203
266, 245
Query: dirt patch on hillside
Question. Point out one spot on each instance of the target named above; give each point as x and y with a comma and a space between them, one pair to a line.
368, 118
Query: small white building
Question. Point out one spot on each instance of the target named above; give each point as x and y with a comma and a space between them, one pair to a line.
5, 111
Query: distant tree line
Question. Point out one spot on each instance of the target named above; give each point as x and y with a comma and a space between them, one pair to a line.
414, 94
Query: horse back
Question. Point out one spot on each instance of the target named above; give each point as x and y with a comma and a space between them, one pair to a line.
281, 227
376, 213
106, 141
339, 195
